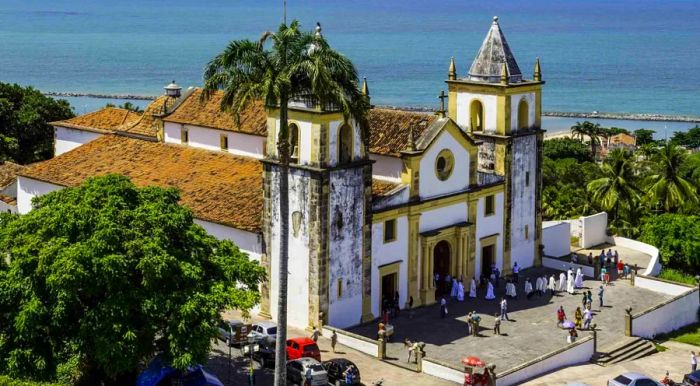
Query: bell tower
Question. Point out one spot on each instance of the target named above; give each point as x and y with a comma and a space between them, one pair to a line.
498, 106
330, 181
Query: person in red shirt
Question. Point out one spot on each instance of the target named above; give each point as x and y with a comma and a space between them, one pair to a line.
620, 267
561, 315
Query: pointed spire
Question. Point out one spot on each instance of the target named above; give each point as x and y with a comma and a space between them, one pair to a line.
538, 73
504, 74
411, 145
365, 89
318, 28
452, 73
493, 53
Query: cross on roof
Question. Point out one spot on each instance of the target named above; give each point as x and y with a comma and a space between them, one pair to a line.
442, 98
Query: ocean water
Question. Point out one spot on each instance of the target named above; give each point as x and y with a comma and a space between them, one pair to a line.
614, 56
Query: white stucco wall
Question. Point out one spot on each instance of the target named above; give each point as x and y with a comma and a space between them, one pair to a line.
210, 139
7, 208
489, 103
386, 253
429, 183
556, 238
522, 249
442, 371
671, 316
386, 168
68, 139
593, 230
346, 205
357, 342
514, 106
488, 226
564, 265
654, 265
28, 188
399, 196
248, 242
662, 286
442, 217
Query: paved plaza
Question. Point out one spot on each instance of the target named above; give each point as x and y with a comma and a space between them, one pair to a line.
531, 332
627, 255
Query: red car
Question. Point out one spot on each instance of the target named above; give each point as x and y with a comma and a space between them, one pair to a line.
302, 347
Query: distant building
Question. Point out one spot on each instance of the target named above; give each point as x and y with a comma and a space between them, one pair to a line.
371, 215
619, 141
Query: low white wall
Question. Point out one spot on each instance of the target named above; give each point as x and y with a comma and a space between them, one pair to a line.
654, 266
563, 265
556, 238
442, 371
663, 286
668, 316
67, 139
576, 353
28, 188
355, 342
594, 230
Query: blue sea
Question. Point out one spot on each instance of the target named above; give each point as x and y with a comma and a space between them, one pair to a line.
614, 56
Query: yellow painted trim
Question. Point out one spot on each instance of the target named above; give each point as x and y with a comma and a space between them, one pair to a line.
452, 105
448, 168
493, 88
308, 116
412, 274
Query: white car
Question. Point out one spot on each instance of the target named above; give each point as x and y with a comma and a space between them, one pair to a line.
264, 331
633, 379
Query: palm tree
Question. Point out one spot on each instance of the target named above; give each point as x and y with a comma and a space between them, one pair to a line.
666, 185
616, 190
590, 130
297, 64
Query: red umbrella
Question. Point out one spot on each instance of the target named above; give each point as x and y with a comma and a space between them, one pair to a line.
473, 361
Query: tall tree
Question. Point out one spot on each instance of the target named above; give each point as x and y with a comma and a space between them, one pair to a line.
590, 130
666, 186
296, 64
616, 190
99, 278
644, 136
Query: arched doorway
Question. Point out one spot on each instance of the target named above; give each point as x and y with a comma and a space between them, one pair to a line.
523, 112
293, 141
441, 266
345, 144
476, 115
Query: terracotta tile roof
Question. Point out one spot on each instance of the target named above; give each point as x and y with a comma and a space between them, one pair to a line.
8, 173
218, 187
207, 112
8, 200
380, 187
103, 120
389, 129
148, 124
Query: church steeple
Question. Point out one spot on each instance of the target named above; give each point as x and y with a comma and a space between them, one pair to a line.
537, 76
493, 54
452, 72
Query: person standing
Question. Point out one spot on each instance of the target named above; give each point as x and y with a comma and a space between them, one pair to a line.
496, 324
470, 326
475, 323
587, 317
562, 282
693, 362
590, 258
578, 317
397, 307
497, 273
552, 285
504, 309
589, 300
334, 340
443, 307
472, 288
528, 289
600, 295
314, 334
516, 271
561, 316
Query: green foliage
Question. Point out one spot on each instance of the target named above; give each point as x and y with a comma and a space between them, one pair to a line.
677, 276
25, 133
126, 106
689, 139
610, 131
688, 334
103, 276
678, 239
7, 381
559, 148
564, 193
666, 185
591, 130
644, 136
617, 189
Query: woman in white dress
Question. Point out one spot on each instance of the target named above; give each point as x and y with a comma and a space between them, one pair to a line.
528, 288
489, 292
453, 292
570, 282
578, 283
472, 288
460, 292
510, 290
552, 284
562, 282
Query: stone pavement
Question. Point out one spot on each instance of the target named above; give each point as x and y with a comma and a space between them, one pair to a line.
531, 332
629, 256
371, 369
675, 360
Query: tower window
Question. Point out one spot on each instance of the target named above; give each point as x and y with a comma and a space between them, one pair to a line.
527, 232
476, 115
523, 112
224, 142
293, 140
340, 288
184, 136
345, 144
389, 230
527, 178
489, 206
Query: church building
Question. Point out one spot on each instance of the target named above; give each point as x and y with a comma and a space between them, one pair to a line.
446, 193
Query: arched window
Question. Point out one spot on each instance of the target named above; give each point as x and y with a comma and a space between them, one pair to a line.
523, 113
293, 140
476, 116
345, 144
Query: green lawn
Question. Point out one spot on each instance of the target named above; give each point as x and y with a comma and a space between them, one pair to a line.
689, 334
677, 276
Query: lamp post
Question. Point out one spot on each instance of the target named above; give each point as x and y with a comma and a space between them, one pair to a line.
249, 348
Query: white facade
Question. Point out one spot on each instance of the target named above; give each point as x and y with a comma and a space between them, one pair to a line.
28, 188
488, 102
68, 139
386, 168
388, 253
245, 145
487, 226
248, 242
429, 184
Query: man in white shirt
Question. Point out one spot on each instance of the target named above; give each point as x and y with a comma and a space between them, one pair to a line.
693, 361
516, 270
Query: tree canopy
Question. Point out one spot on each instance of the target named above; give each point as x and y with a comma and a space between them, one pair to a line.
25, 133
99, 278
678, 239
560, 148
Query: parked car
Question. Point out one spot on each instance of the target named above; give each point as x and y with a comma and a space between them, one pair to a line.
336, 368
692, 379
234, 332
264, 330
633, 379
297, 368
302, 347
266, 353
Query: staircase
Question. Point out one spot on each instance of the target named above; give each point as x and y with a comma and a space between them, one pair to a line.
626, 349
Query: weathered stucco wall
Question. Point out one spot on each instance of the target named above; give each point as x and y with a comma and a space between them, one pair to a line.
429, 184
345, 247
210, 139
386, 253
523, 194
68, 139
333, 141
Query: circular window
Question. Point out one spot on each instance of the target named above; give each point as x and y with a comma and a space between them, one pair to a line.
444, 163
